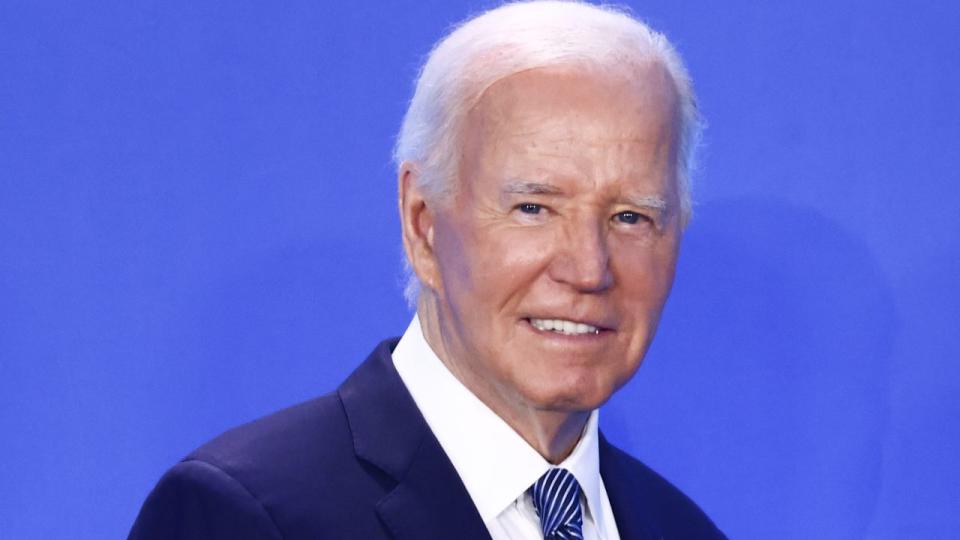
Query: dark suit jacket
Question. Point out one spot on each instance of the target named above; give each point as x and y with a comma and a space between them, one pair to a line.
361, 463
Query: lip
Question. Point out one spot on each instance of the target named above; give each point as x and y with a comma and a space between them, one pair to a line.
602, 331
598, 324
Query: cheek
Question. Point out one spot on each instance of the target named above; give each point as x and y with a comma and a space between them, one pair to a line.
504, 261
665, 264
646, 274
455, 263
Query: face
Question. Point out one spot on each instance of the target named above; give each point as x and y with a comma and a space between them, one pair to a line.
552, 261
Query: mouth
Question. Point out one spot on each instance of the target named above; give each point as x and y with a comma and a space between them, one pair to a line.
565, 327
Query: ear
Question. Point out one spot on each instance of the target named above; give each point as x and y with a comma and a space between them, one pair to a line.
417, 224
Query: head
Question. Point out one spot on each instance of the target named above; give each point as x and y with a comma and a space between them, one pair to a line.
516, 37
543, 167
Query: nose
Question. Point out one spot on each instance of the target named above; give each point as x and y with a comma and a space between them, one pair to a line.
582, 259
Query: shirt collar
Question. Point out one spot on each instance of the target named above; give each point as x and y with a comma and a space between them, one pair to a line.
495, 463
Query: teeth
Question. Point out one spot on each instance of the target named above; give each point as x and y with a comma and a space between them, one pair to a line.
560, 326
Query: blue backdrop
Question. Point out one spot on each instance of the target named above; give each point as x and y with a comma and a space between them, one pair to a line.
197, 227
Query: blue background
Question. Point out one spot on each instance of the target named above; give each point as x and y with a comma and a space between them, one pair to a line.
198, 227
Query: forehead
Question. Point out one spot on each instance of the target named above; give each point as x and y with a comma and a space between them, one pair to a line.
584, 120
639, 100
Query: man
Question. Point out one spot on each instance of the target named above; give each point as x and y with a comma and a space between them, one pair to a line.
543, 190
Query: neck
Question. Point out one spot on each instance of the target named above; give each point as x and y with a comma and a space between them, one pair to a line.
552, 433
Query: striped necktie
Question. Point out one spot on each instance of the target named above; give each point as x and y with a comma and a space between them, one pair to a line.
556, 497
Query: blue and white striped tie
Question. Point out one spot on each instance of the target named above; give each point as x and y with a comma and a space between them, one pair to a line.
556, 496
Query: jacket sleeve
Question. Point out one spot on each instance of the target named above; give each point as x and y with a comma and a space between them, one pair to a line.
197, 500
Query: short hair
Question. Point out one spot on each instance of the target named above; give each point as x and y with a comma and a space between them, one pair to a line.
516, 37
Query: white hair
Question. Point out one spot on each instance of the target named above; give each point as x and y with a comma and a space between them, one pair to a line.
516, 37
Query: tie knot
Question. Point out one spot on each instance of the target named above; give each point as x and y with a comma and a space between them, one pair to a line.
556, 497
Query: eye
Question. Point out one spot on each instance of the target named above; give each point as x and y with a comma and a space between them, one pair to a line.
530, 208
629, 218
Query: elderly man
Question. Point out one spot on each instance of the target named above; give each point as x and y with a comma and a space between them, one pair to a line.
543, 191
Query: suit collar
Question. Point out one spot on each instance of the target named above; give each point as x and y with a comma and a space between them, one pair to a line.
626, 495
384, 421
429, 500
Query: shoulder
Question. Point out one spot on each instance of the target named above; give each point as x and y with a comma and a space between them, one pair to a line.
265, 479
634, 488
195, 499
307, 434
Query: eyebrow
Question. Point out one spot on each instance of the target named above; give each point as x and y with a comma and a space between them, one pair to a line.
531, 188
653, 202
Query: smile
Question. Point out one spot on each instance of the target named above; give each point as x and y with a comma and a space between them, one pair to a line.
561, 326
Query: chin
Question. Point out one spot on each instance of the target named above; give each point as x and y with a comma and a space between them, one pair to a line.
580, 396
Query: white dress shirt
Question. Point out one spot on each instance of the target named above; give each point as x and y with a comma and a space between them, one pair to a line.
495, 464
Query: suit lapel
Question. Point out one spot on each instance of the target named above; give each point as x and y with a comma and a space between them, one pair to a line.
429, 500
626, 497
430, 503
